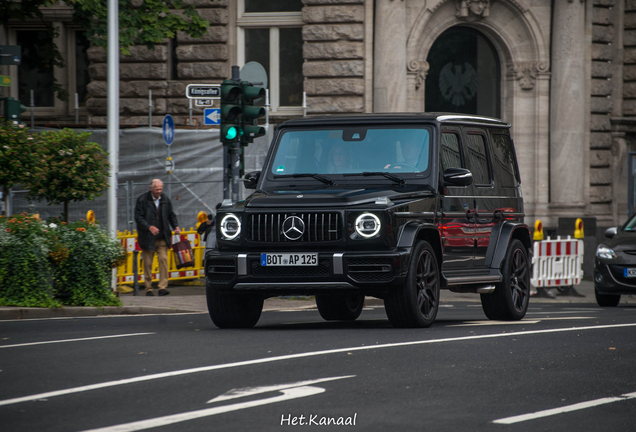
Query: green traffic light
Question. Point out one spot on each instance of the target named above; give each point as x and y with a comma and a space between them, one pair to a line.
231, 133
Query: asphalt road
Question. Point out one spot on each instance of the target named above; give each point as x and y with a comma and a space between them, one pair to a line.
566, 367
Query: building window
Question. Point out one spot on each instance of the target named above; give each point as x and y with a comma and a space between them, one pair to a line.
82, 78
32, 75
464, 74
270, 33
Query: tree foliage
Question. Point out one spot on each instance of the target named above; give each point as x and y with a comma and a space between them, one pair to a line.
71, 168
141, 22
19, 155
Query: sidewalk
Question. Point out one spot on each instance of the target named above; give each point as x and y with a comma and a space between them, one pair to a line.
191, 299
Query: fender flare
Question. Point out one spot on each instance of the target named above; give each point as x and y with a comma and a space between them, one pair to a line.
506, 233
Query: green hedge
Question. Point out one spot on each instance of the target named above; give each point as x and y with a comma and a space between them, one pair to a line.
53, 263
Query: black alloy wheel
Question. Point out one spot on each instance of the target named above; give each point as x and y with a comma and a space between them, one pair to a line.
417, 303
340, 308
229, 310
509, 301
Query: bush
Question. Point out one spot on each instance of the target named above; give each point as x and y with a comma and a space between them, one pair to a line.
52, 263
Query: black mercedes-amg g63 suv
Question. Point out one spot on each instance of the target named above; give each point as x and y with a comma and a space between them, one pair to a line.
394, 206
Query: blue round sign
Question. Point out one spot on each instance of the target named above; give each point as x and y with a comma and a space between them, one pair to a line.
168, 129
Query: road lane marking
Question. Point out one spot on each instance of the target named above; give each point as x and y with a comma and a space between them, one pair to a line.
74, 340
249, 391
72, 390
565, 409
290, 393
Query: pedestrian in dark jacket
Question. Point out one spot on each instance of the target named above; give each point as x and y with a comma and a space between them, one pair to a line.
154, 217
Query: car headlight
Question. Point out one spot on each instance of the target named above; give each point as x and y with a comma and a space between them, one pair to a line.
230, 226
604, 252
368, 225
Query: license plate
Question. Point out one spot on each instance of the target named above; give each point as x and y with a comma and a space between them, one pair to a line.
289, 259
629, 272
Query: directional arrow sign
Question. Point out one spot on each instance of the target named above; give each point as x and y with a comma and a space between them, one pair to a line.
212, 116
203, 91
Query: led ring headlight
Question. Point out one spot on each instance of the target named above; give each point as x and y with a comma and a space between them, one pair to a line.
230, 226
367, 225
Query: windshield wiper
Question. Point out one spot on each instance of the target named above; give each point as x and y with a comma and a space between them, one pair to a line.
325, 180
396, 179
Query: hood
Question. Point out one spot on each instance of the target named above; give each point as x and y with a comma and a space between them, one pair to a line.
327, 198
623, 241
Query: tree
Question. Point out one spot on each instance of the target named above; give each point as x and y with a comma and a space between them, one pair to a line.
141, 22
72, 169
19, 157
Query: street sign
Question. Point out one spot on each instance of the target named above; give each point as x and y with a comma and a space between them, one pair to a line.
5, 80
255, 73
203, 91
168, 129
212, 116
204, 102
10, 54
169, 165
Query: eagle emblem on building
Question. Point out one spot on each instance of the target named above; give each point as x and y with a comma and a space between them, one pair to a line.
458, 83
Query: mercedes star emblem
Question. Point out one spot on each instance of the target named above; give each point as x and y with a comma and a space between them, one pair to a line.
293, 228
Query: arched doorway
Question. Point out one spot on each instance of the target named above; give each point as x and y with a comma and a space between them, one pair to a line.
464, 74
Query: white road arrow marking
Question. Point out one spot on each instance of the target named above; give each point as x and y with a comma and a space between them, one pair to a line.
289, 393
248, 391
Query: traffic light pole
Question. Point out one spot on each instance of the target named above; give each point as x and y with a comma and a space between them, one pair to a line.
236, 170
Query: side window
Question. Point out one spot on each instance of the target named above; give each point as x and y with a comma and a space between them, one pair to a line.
450, 155
477, 159
503, 160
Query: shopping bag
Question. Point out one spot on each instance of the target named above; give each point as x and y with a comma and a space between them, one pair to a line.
183, 254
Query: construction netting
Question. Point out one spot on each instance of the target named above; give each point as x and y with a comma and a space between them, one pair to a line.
195, 185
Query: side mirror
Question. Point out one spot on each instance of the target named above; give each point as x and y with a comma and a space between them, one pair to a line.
251, 179
458, 177
611, 232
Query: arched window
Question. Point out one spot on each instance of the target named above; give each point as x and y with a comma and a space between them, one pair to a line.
464, 74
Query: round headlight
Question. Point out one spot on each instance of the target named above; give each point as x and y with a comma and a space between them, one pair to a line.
230, 226
367, 225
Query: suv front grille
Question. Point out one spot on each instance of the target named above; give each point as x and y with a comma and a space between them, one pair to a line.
319, 226
378, 269
220, 270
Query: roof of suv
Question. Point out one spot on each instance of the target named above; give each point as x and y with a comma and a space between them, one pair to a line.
352, 119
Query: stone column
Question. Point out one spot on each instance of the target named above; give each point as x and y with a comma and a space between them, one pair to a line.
389, 56
568, 105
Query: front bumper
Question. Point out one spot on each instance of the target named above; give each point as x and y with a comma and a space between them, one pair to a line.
360, 272
609, 279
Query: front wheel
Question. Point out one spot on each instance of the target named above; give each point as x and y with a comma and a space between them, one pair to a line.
607, 300
229, 310
340, 308
509, 301
416, 304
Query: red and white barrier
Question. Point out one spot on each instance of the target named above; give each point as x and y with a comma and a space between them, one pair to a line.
557, 263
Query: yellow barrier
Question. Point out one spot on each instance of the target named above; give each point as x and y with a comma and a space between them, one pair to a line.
125, 272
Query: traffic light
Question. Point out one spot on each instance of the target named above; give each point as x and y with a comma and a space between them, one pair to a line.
251, 112
231, 111
13, 109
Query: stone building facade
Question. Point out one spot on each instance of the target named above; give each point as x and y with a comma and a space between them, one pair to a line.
562, 72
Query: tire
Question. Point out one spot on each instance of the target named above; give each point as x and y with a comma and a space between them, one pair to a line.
509, 301
229, 310
340, 308
607, 300
416, 304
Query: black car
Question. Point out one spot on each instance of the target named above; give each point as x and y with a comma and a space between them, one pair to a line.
615, 264
394, 206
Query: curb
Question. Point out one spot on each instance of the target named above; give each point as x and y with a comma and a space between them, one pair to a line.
15, 313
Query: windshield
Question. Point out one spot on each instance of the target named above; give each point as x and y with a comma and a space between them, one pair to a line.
353, 150
631, 224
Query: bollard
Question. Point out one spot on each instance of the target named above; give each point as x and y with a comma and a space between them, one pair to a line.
578, 229
135, 273
538, 230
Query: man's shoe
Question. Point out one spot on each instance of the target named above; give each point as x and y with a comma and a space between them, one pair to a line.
150, 293
163, 292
